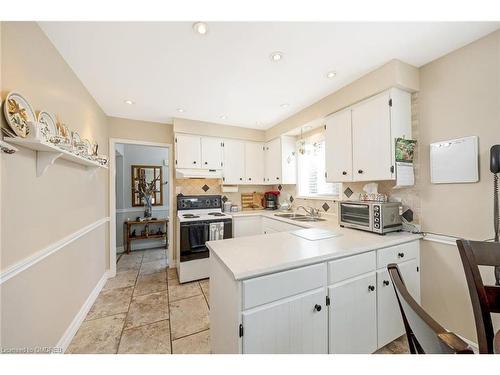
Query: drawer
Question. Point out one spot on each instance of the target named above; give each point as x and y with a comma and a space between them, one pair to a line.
265, 289
352, 266
397, 254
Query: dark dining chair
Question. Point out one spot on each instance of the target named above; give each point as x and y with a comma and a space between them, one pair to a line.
485, 298
424, 334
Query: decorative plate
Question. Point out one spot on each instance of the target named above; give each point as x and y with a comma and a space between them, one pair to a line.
63, 131
75, 138
48, 126
89, 146
18, 113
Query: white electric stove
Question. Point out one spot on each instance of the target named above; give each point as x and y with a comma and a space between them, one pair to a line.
195, 215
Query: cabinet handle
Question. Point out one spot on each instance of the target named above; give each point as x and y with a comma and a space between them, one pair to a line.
401, 255
386, 282
371, 288
344, 173
317, 307
360, 171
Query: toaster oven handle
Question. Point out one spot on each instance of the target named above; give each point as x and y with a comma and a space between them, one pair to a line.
353, 205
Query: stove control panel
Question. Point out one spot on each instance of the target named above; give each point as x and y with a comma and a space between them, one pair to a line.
196, 202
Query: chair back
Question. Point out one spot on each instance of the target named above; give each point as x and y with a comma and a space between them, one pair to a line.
424, 334
485, 299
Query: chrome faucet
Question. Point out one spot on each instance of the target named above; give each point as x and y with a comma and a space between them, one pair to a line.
311, 211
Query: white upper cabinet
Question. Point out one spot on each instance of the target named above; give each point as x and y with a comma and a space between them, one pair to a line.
280, 161
187, 151
234, 162
371, 138
211, 153
372, 127
338, 147
254, 163
272, 161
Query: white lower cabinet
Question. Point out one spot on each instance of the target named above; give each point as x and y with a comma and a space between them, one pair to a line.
247, 226
389, 321
353, 315
297, 324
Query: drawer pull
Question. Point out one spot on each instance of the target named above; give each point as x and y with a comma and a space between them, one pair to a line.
344, 173
386, 282
317, 307
371, 288
401, 255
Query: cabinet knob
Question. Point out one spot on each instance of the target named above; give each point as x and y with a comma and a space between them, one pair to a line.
241, 178
194, 162
371, 288
317, 307
344, 173
401, 255
386, 282
277, 178
249, 178
206, 163
360, 171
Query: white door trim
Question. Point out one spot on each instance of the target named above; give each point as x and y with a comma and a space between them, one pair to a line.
112, 197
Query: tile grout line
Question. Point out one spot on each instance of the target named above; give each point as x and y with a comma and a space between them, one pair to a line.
128, 310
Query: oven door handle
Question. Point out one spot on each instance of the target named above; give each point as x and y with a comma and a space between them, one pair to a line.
354, 205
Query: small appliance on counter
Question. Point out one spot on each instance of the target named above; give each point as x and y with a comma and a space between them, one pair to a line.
271, 200
377, 217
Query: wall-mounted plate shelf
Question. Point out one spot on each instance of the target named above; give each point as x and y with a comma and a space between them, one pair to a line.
47, 154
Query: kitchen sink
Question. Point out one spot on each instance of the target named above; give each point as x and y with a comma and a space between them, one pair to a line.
307, 218
290, 215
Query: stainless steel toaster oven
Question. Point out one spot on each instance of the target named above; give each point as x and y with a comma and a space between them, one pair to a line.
377, 217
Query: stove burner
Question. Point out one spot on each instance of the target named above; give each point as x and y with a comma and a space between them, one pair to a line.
190, 216
216, 214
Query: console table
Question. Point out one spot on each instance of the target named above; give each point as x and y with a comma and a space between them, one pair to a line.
145, 227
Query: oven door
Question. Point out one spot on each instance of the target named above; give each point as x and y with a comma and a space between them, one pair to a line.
194, 235
356, 215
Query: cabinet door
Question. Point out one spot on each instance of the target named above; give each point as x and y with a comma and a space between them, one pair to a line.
187, 151
353, 315
288, 160
254, 162
211, 153
371, 139
247, 226
290, 325
389, 320
234, 162
338, 147
272, 167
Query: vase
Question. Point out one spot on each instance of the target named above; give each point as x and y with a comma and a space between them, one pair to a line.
148, 207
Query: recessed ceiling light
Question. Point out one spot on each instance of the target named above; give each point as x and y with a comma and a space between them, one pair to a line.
331, 74
128, 101
200, 27
276, 56
284, 105
180, 110
223, 117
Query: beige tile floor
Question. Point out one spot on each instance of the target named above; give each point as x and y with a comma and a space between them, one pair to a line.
144, 309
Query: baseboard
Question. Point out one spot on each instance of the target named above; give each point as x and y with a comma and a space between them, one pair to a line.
80, 316
120, 249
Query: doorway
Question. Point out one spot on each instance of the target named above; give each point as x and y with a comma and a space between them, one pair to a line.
134, 225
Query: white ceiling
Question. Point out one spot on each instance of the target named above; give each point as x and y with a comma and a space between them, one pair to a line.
163, 66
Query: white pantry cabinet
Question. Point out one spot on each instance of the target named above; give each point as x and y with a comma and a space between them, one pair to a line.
234, 162
194, 151
338, 147
280, 165
372, 125
290, 325
254, 163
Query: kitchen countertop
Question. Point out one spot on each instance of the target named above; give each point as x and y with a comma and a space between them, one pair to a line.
252, 256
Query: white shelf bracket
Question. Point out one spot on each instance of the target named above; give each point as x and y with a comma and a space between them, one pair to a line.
44, 159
